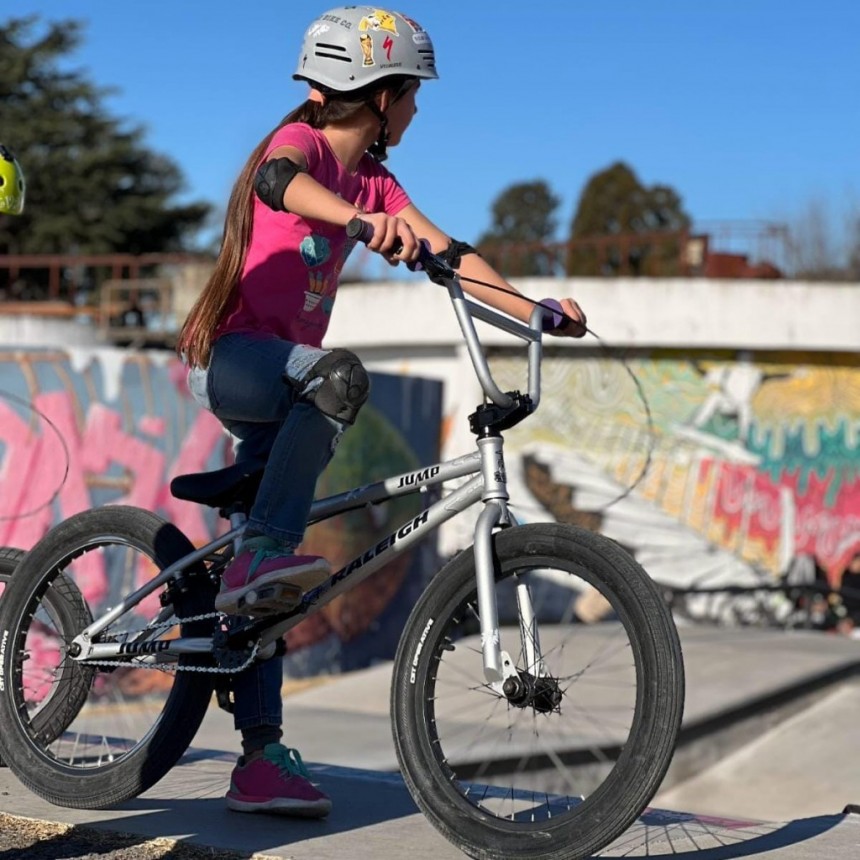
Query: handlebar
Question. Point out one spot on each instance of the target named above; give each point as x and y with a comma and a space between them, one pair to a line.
542, 318
427, 261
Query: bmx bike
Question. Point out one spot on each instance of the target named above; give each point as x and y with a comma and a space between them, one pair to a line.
523, 726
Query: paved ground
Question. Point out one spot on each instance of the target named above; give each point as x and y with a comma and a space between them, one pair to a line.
806, 765
343, 727
29, 839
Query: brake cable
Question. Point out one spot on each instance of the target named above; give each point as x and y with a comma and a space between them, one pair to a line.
649, 418
7, 395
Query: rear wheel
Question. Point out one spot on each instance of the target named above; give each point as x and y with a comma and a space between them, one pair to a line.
561, 759
10, 558
85, 735
67, 612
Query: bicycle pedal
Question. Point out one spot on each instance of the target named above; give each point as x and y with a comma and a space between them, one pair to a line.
271, 598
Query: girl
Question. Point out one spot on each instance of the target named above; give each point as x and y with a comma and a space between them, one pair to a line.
253, 339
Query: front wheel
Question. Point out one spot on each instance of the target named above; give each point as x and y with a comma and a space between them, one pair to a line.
562, 760
90, 735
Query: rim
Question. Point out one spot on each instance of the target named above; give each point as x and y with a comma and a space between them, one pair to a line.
77, 716
547, 752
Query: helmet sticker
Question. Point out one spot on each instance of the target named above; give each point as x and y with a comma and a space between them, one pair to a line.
367, 49
379, 19
387, 45
413, 24
318, 29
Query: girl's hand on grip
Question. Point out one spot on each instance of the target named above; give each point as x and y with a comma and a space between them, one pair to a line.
392, 237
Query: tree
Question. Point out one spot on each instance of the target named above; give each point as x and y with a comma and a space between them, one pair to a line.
614, 230
854, 249
92, 185
824, 243
523, 223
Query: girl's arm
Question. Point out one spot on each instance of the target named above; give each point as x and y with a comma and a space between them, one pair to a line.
307, 198
509, 301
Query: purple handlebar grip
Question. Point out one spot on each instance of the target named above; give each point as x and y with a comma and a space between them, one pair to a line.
554, 320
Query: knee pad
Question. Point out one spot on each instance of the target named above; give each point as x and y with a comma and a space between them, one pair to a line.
338, 385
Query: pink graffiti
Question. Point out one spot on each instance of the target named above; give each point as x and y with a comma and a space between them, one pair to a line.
34, 462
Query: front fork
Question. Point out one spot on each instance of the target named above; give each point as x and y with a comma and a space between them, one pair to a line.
498, 664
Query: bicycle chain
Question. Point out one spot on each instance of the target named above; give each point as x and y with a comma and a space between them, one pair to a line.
214, 670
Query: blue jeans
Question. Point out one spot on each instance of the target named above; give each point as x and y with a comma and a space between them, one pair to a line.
244, 387
268, 420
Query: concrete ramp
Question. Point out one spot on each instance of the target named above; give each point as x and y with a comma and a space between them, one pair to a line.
802, 765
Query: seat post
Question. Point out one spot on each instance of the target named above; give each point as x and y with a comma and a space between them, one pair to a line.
238, 516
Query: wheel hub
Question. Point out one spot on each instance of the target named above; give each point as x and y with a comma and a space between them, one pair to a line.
524, 690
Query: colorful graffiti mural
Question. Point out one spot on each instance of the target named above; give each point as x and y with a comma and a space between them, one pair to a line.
120, 425
760, 454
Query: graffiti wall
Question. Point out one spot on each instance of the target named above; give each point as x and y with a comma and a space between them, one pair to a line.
82, 428
757, 453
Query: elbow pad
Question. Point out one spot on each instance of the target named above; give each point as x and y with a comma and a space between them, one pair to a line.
455, 252
272, 180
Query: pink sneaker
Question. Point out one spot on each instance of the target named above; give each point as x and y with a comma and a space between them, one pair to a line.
262, 579
278, 783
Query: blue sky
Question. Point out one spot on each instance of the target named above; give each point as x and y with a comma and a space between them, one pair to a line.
748, 108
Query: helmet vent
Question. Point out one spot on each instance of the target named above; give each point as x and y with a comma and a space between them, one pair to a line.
322, 50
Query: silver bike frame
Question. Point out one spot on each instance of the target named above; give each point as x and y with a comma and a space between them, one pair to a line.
489, 486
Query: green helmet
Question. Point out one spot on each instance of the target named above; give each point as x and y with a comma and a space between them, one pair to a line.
350, 47
12, 185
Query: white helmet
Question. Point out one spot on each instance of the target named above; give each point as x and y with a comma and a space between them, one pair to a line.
349, 47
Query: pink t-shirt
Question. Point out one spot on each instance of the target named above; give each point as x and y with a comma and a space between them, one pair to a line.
291, 272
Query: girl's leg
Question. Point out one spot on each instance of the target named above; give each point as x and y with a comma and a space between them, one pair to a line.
268, 776
258, 712
247, 392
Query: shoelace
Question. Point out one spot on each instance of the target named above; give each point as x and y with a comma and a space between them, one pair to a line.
262, 554
288, 759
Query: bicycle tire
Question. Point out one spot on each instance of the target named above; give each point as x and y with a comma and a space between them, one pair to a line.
10, 558
431, 640
68, 610
79, 782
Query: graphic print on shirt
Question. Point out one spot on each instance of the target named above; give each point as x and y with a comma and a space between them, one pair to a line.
315, 250
320, 286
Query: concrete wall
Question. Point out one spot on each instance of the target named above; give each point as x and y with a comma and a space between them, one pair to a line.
753, 389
